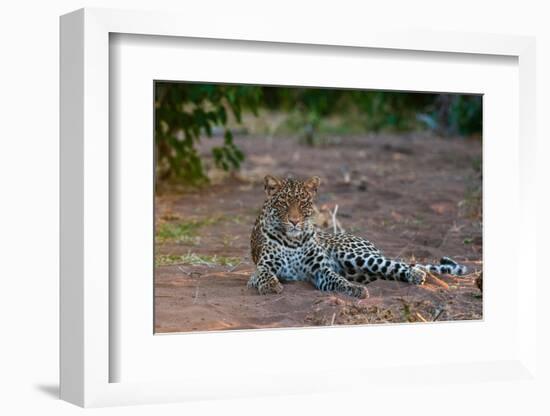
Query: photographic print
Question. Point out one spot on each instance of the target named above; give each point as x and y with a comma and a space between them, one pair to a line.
279, 207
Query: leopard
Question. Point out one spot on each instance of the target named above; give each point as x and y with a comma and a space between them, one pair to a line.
286, 245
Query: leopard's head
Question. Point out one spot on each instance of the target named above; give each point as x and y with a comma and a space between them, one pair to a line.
289, 204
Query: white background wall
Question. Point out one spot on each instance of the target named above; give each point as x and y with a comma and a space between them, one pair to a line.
29, 183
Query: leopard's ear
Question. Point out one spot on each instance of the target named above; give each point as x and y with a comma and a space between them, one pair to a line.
312, 184
272, 185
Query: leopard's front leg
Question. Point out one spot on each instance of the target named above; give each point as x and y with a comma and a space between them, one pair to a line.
265, 280
326, 279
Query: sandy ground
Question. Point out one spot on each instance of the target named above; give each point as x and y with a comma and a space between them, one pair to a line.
412, 195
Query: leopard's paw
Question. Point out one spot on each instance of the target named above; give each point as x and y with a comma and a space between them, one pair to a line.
270, 287
417, 276
252, 282
358, 291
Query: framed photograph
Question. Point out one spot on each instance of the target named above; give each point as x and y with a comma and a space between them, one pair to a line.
270, 212
244, 210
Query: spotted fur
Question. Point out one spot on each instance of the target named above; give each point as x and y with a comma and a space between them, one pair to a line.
287, 246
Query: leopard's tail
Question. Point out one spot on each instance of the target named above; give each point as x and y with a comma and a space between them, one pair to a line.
446, 266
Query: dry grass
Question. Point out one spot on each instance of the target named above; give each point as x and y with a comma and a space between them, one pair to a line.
195, 259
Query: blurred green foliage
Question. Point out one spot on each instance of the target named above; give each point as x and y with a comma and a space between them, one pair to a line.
464, 116
185, 112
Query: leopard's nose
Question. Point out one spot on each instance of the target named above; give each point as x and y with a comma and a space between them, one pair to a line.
293, 221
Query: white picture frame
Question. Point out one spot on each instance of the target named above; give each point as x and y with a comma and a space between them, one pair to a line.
87, 302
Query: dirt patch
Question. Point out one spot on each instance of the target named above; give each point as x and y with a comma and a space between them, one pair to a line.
411, 195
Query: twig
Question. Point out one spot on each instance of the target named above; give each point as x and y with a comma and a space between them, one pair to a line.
436, 279
337, 228
333, 318
438, 314
232, 269
334, 218
420, 317
192, 274
272, 301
